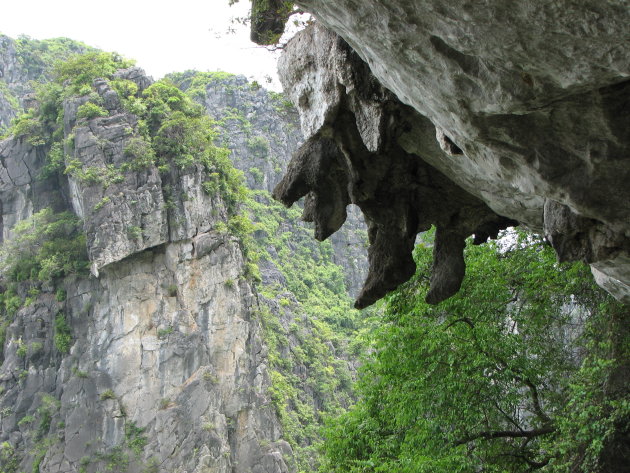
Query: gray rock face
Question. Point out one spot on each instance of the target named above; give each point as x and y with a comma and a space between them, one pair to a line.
262, 130
165, 340
129, 211
518, 105
352, 156
167, 369
11, 74
173, 352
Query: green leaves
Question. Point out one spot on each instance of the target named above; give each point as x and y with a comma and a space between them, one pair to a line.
63, 334
80, 70
46, 246
478, 382
91, 110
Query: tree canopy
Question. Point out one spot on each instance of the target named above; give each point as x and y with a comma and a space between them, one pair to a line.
507, 376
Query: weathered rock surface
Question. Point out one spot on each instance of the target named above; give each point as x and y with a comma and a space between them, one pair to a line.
523, 107
170, 336
166, 349
127, 212
262, 129
170, 341
352, 155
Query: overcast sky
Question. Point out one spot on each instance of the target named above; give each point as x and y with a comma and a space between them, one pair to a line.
163, 36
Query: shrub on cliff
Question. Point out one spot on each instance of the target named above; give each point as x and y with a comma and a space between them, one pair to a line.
44, 247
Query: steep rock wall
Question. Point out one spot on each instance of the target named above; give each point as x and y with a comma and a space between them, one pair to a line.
167, 369
263, 130
165, 341
525, 105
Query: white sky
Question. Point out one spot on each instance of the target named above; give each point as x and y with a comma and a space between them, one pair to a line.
162, 36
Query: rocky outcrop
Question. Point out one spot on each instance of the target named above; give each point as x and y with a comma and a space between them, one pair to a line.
166, 342
352, 155
128, 212
11, 74
262, 130
25, 60
523, 109
166, 367
167, 358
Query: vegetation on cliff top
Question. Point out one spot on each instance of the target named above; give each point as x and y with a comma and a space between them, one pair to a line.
173, 131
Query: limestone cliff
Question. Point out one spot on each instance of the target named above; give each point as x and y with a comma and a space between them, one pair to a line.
262, 129
25, 60
521, 108
165, 354
167, 368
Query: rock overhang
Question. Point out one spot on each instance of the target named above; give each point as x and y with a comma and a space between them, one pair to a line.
522, 109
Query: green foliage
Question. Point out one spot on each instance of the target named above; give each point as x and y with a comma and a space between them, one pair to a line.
134, 232
60, 295
22, 349
115, 459
101, 203
162, 100
91, 110
268, 18
183, 135
9, 96
194, 83
55, 162
72, 76
323, 321
39, 457
593, 423
47, 408
257, 174
479, 382
29, 127
79, 71
80, 374
164, 332
281, 103
140, 153
63, 334
107, 394
316, 281
39, 56
126, 89
134, 438
172, 290
118, 458
26, 420
259, 146
9, 460
46, 246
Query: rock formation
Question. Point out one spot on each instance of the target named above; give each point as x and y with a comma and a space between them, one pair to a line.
168, 367
511, 112
170, 356
263, 130
353, 155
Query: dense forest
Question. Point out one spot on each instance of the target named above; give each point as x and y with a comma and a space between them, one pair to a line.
525, 369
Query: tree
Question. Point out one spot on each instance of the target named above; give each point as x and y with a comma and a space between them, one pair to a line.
482, 381
46, 246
